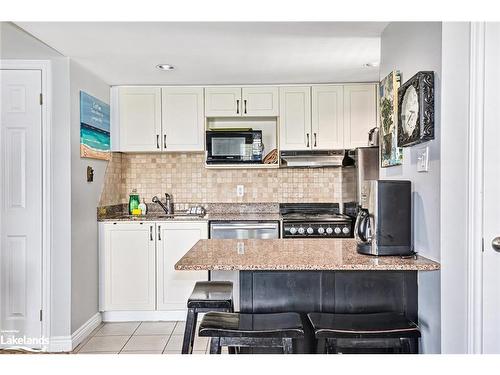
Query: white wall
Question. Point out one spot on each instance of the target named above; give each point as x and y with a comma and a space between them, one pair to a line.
454, 180
85, 198
411, 47
17, 44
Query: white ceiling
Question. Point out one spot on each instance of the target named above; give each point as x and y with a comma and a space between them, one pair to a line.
218, 52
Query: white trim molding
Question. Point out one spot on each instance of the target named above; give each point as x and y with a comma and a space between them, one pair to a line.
148, 316
85, 330
46, 71
474, 215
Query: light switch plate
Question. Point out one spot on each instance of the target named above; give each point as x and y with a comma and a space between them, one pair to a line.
240, 190
423, 159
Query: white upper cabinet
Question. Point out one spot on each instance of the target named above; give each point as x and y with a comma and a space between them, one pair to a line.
260, 101
139, 119
127, 266
182, 119
360, 113
222, 101
327, 117
295, 118
174, 241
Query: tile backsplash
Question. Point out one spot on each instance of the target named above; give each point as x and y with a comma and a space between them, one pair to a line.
184, 176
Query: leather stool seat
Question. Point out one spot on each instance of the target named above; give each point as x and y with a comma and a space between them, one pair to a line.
251, 330
365, 326
211, 294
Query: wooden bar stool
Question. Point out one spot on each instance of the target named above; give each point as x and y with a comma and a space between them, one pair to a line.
206, 296
251, 330
364, 332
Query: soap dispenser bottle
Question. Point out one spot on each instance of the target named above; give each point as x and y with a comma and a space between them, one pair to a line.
143, 207
133, 202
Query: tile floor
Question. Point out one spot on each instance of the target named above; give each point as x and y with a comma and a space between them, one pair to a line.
140, 338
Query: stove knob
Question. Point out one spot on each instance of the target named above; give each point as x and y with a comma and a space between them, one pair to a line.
346, 230
321, 230
301, 230
310, 230
337, 230
293, 230
329, 230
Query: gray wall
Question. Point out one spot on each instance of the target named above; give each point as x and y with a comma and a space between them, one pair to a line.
17, 44
455, 124
411, 47
85, 198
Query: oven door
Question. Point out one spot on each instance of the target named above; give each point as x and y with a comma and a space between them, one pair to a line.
230, 147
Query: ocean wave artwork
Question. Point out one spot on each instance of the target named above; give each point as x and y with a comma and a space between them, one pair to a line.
94, 128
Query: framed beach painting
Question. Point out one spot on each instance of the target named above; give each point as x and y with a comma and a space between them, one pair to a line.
94, 128
390, 153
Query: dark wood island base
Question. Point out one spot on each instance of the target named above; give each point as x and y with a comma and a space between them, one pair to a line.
348, 292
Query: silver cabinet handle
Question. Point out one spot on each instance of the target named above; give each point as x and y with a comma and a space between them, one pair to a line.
151, 232
157, 141
164, 142
495, 244
245, 102
315, 145
237, 106
159, 232
307, 135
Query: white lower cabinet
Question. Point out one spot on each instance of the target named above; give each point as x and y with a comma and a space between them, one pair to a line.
174, 240
137, 266
127, 266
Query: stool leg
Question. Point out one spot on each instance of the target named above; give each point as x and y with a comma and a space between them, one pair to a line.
215, 347
320, 346
287, 346
189, 332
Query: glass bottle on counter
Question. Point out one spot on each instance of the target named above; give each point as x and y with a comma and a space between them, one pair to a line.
133, 202
143, 207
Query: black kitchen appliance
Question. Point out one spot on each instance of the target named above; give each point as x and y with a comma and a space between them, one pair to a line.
383, 224
314, 220
234, 146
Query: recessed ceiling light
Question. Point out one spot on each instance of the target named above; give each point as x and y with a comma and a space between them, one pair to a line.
165, 67
371, 64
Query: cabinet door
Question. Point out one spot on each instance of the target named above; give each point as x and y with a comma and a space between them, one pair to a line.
260, 101
222, 101
128, 266
140, 119
295, 118
360, 114
174, 240
327, 117
182, 119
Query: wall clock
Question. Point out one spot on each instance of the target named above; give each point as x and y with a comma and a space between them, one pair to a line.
416, 110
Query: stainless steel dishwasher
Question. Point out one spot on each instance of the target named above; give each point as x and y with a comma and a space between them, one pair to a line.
240, 230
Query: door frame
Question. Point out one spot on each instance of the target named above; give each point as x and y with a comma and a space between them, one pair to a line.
44, 66
475, 186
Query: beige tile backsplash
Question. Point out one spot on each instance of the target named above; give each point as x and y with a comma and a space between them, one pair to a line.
184, 176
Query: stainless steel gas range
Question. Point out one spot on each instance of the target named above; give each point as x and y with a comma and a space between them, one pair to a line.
314, 220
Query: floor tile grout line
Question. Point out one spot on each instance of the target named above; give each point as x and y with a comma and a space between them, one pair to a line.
169, 337
129, 338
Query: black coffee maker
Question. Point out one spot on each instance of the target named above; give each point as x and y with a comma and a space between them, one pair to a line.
383, 224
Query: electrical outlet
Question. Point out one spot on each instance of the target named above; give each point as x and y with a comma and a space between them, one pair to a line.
240, 190
240, 248
423, 159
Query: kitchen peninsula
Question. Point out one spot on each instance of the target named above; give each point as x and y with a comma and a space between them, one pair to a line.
312, 275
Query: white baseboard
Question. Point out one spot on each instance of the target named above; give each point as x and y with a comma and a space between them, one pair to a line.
81, 333
148, 316
60, 344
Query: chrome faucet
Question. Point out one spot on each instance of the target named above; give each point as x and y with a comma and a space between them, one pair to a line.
168, 207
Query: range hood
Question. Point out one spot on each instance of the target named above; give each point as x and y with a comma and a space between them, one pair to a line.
316, 159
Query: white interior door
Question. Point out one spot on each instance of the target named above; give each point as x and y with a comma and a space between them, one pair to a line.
491, 254
21, 204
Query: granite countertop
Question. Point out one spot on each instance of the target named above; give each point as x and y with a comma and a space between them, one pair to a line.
214, 217
292, 254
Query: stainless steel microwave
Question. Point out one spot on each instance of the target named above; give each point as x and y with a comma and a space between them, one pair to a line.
234, 146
